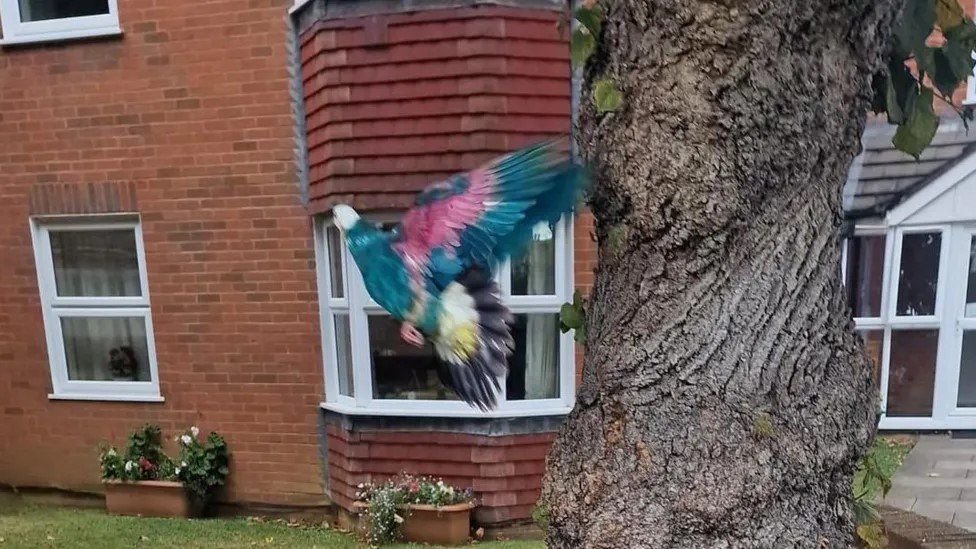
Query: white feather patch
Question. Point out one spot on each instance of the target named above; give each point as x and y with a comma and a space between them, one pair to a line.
457, 310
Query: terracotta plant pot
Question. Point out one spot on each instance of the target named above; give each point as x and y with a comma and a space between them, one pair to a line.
448, 525
147, 498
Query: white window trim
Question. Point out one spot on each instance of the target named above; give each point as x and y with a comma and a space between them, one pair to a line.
358, 306
16, 31
54, 307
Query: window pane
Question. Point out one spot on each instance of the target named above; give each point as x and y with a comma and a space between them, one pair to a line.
344, 354
971, 286
40, 10
400, 370
334, 245
967, 371
865, 273
919, 274
95, 263
106, 348
533, 368
535, 272
911, 374
874, 347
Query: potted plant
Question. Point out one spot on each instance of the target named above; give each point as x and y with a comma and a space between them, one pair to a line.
144, 481
419, 509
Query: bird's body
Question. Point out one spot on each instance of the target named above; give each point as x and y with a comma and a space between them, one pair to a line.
433, 271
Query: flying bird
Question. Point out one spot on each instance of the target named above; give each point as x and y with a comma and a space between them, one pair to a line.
433, 270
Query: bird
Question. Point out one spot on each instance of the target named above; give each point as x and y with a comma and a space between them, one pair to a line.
433, 271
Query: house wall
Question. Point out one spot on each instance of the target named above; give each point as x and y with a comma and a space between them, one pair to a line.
394, 100
186, 120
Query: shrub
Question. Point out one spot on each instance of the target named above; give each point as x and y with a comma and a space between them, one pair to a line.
202, 467
384, 502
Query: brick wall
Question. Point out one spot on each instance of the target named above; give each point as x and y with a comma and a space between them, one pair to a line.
185, 119
396, 101
504, 471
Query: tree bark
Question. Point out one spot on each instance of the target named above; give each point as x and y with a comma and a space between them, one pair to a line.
725, 397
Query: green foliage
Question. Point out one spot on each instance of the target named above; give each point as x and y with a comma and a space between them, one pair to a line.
762, 425
606, 96
384, 502
572, 316
873, 479
540, 515
581, 46
202, 466
143, 458
907, 97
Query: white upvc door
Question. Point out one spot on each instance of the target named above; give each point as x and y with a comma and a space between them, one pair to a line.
960, 352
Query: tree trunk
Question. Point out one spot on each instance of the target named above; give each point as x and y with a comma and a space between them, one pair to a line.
725, 397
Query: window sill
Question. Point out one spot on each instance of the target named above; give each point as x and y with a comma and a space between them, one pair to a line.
106, 398
460, 413
60, 36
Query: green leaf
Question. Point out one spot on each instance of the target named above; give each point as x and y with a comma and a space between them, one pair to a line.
591, 18
901, 92
917, 22
572, 316
948, 14
872, 535
918, 130
606, 96
581, 46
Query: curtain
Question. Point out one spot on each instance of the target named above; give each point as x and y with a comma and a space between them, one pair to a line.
541, 340
95, 263
105, 348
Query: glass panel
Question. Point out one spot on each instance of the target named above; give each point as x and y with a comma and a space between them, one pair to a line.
344, 354
534, 273
334, 246
967, 371
41, 10
918, 276
106, 348
533, 368
874, 347
911, 373
865, 273
971, 285
400, 370
95, 263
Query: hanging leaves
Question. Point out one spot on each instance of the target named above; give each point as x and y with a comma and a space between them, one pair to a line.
905, 95
606, 96
572, 316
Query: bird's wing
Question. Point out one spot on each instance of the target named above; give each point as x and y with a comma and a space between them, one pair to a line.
479, 218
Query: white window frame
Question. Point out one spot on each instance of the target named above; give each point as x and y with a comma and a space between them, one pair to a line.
54, 308
17, 31
357, 304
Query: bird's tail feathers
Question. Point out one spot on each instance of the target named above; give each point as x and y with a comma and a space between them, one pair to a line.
474, 337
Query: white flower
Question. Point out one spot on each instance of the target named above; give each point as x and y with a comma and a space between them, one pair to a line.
360, 485
186, 439
398, 519
195, 431
178, 470
182, 464
111, 452
129, 465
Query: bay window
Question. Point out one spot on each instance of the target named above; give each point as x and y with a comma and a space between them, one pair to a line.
95, 305
370, 370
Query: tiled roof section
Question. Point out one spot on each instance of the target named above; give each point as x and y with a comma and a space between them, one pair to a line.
394, 102
881, 176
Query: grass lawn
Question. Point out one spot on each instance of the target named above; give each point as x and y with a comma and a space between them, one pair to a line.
30, 526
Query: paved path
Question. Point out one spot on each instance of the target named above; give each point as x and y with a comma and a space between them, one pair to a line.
938, 480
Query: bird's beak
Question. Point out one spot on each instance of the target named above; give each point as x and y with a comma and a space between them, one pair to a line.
345, 217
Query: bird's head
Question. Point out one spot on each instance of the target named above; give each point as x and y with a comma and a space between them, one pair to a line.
371, 248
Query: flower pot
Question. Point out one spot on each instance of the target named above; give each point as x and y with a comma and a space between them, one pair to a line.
447, 525
147, 498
